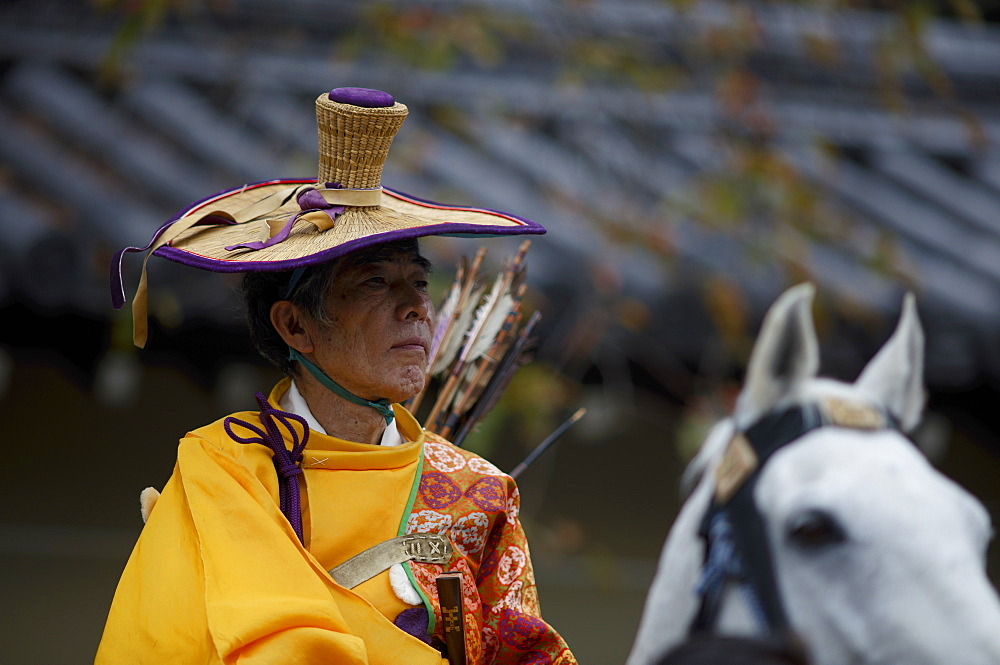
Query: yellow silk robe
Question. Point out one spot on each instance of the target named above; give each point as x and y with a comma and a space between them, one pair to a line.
219, 576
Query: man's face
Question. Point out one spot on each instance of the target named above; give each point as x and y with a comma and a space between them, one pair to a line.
381, 316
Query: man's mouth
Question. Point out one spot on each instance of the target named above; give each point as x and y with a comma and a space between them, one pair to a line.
412, 344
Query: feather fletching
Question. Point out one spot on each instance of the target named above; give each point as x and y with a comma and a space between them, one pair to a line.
445, 315
476, 344
456, 337
485, 320
492, 323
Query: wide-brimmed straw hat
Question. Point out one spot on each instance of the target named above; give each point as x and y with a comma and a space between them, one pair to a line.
291, 223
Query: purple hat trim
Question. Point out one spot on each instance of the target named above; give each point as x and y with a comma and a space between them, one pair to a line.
364, 97
525, 226
457, 229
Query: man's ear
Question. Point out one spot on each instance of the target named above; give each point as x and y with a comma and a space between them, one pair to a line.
291, 324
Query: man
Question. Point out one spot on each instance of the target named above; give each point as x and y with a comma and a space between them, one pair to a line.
317, 529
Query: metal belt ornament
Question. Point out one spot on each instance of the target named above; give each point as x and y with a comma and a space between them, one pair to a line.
419, 547
736, 545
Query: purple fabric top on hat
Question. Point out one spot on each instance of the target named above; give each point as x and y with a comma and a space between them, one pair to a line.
364, 97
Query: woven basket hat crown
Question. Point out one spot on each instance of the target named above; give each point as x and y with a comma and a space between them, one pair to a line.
354, 140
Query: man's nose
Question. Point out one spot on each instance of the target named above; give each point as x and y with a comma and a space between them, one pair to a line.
413, 304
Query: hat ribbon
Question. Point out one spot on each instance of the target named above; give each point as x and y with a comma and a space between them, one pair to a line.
333, 196
319, 207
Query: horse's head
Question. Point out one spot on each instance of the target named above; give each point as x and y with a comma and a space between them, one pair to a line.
875, 557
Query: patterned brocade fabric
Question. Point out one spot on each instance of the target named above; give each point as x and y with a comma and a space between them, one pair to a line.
475, 505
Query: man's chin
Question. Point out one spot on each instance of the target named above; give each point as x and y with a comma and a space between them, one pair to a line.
405, 388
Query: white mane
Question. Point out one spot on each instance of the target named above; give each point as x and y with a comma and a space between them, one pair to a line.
906, 583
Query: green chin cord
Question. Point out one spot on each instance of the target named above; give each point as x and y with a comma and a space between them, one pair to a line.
382, 405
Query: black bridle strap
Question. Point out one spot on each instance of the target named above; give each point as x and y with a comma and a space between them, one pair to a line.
765, 437
769, 434
752, 543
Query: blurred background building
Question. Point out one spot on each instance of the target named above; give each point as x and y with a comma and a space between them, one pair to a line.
691, 159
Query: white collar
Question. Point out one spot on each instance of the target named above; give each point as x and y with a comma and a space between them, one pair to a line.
293, 402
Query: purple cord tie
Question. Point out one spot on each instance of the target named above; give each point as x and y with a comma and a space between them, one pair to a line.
309, 200
286, 462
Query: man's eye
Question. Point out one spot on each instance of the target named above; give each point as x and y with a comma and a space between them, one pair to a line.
375, 280
421, 284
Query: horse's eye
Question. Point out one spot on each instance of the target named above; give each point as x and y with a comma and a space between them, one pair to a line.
815, 528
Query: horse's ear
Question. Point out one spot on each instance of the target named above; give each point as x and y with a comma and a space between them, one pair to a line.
895, 376
786, 353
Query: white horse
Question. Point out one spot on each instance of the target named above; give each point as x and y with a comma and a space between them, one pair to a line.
878, 558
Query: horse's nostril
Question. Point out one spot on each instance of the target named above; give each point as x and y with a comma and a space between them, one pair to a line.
815, 528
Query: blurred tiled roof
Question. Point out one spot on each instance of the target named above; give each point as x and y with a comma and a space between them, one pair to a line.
213, 101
